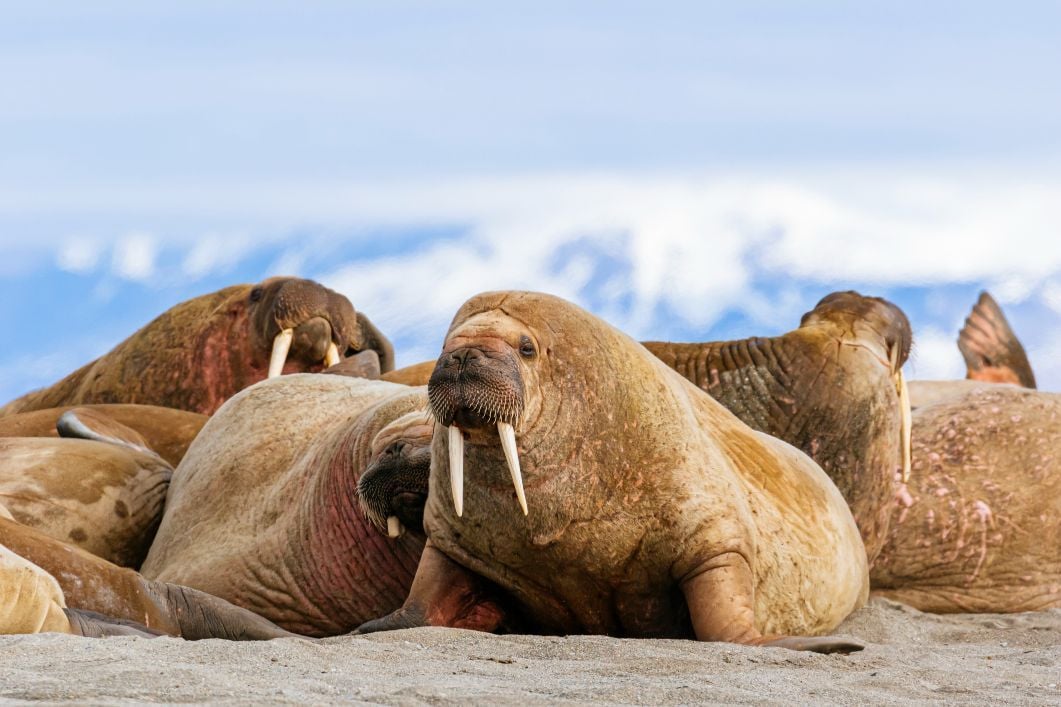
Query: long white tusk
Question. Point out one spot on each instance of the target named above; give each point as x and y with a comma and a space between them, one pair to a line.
508, 443
904, 409
394, 527
456, 468
281, 345
331, 357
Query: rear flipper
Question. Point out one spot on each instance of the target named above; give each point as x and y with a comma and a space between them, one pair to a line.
85, 423
93, 625
992, 352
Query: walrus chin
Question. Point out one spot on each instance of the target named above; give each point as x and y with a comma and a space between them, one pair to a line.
474, 388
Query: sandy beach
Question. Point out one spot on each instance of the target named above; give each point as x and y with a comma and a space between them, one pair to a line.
910, 658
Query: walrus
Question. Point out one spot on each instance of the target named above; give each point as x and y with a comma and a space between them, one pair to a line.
264, 510
165, 431
649, 509
978, 528
105, 498
68, 590
201, 352
833, 388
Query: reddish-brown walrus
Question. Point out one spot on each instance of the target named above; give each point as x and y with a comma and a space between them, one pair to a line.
650, 510
47, 585
201, 352
268, 511
978, 528
165, 431
832, 388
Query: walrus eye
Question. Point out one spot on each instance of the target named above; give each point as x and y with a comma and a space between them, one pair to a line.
256, 294
526, 347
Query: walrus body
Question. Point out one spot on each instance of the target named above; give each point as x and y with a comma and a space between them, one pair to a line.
978, 529
201, 352
264, 510
102, 497
652, 510
100, 598
831, 388
165, 431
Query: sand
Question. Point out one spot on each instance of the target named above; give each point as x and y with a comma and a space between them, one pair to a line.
910, 658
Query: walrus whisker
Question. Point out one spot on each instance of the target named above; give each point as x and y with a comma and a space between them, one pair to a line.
508, 443
281, 345
904, 409
394, 527
331, 356
456, 468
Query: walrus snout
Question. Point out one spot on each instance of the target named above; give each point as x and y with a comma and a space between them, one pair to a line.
393, 490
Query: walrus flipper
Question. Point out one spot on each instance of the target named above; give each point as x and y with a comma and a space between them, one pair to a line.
85, 423
992, 352
92, 625
198, 615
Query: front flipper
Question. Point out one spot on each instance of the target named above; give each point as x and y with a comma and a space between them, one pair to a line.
443, 594
92, 625
86, 423
719, 595
991, 350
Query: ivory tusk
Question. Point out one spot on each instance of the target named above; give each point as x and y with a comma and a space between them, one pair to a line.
394, 527
904, 409
281, 345
331, 357
456, 468
508, 443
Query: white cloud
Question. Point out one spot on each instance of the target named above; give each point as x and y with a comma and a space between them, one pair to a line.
134, 257
78, 255
935, 355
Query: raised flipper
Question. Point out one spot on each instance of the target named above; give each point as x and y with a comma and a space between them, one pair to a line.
992, 352
361, 365
86, 423
92, 584
443, 594
719, 595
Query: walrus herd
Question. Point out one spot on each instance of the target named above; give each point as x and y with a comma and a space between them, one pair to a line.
546, 474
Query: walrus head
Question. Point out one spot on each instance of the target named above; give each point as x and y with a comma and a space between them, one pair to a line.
305, 321
478, 387
392, 491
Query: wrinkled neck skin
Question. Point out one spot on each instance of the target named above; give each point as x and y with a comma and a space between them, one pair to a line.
820, 389
585, 489
346, 570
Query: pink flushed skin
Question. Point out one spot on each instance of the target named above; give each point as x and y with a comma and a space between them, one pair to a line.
978, 528
265, 513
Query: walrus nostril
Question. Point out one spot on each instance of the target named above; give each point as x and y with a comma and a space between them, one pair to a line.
462, 356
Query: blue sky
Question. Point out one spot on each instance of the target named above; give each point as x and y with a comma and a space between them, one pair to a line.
687, 170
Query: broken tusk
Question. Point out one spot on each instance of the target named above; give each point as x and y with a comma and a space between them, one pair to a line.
281, 345
331, 357
456, 468
508, 443
904, 411
394, 527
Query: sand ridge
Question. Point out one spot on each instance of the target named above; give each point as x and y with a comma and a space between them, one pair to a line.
910, 658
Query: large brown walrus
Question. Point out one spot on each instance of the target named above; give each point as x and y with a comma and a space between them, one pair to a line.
165, 431
978, 527
649, 510
201, 352
832, 388
266, 512
69, 590
105, 498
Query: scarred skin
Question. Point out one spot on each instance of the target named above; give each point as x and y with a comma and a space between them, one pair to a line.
201, 352
97, 598
166, 431
653, 511
264, 510
105, 498
827, 388
978, 529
